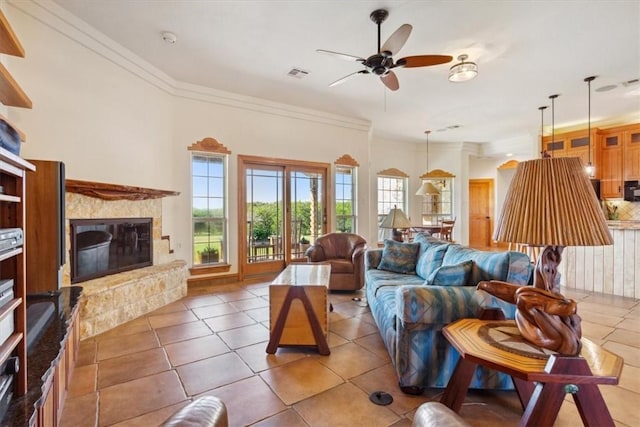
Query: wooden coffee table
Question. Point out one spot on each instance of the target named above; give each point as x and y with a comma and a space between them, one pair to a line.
299, 308
541, 380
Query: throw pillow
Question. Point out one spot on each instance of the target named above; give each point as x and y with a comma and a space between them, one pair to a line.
430, 260
399, 257
450, 275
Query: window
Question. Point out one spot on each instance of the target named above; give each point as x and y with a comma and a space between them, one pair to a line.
391, 192
437, 204
209, 218
346, 199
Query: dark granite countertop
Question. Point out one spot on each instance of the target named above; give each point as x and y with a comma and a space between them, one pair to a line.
42, 358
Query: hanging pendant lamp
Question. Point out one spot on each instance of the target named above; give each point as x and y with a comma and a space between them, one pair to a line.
590, 168
553, 124
543, 153
427, 188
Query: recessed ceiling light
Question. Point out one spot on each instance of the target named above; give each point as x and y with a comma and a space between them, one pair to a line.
509, 154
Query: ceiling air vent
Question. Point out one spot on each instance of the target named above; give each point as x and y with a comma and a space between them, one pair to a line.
298, 73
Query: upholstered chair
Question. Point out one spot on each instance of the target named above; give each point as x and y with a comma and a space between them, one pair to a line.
345, 253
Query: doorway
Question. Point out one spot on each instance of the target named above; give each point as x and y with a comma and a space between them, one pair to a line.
283, 208
480, 213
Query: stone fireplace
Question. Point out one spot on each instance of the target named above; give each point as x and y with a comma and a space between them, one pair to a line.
115, 299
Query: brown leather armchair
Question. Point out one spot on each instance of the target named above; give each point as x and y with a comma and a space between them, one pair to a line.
345, 253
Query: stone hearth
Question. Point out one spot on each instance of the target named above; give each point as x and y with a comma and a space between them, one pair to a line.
115, 299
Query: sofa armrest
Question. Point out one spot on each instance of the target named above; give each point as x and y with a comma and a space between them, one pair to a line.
372, 258
315, 253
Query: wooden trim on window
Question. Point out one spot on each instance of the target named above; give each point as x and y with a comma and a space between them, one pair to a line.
437, 173
209, 145
393, 172
511, 164
346, 160
198, 271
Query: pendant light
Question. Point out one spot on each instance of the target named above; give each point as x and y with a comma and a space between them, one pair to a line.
427, 188
543, 153
553, 124
590, 168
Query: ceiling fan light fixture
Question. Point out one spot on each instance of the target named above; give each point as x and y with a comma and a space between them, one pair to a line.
463, 71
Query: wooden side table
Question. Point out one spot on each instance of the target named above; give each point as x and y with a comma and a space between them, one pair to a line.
541, 381
299, 308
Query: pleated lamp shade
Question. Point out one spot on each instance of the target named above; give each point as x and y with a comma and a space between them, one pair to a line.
551, 202
395, 219
427, 188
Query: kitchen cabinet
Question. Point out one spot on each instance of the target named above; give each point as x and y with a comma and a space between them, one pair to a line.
611, 182
575, 144
631, 153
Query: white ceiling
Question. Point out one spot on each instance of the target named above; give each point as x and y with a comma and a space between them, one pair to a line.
525, 51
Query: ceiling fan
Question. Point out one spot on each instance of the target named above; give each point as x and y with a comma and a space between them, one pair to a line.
381, 63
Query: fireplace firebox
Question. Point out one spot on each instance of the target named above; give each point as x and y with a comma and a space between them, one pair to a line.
100, 247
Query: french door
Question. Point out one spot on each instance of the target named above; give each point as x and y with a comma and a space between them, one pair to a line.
283, 207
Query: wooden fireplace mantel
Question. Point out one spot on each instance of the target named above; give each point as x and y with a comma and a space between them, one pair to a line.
106, 191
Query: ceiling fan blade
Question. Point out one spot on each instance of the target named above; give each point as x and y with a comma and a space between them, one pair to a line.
422, 61
345, 56
390, 80
347, 77
396, 40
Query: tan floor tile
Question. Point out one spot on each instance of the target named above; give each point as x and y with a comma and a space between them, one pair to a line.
260, 290
83, 380
131, 366
214, 310
235, 296
229, 321
631, 355
352, 328
300, 379
385, 379
599, 318
258, 359
595, 332
335, 340
135, 326
630, 338
489, 408
170, 319
170, 308
154, 418
404, 422
182, 332
350, 308
201, 301
213, 372
248, 393
248, 304
247, 335
134, 398
288, 418
80, 411
350, 360
630, 324
119, 346
601, 308
195, 349
374, 344
630, 378
87, 352
344, 405
259, 314
613, 301
622, 404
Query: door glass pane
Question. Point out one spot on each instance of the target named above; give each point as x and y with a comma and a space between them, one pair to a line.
265, 214
307, 211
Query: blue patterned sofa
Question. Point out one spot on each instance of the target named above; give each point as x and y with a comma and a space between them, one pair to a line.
415, 289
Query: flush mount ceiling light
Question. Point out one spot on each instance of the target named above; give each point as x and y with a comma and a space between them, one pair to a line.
168, 37
463, 71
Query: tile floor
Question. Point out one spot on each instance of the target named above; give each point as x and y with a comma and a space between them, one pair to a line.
214, 340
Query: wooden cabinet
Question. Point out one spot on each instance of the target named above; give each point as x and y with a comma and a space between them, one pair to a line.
576, 144
611, 183
631, 153
12, 261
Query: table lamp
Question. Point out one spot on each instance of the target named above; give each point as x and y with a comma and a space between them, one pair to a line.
550, 203
396, 219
